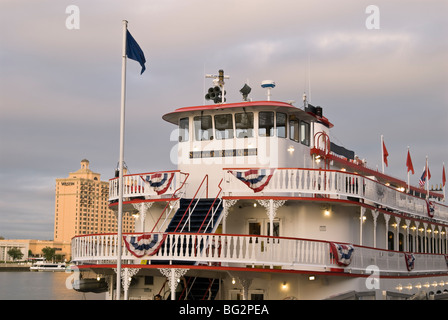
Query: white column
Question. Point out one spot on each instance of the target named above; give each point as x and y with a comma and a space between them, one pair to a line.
397, 234
425, 239
361, 222
173, 275
386, 219
406, 246
245, 283
375, 214
271, 207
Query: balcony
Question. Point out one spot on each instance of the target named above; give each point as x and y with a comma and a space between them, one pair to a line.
246, 251
294, 182
288, 183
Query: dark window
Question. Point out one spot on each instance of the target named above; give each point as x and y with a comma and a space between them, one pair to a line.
223, 126
294, 128
203, 129
281, 125
183, 130
266, 124
244, 125
305, 133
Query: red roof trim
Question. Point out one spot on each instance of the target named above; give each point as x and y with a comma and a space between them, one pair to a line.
243, 105
235, 105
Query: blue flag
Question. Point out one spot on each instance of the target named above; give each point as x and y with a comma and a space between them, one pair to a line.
134, 52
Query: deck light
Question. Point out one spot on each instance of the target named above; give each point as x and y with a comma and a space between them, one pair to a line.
312, 278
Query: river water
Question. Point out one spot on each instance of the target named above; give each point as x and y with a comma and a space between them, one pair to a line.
40, 286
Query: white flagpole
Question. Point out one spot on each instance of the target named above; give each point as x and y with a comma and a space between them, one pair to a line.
120, 184
427, 179
382, 152
444, 187
409, 183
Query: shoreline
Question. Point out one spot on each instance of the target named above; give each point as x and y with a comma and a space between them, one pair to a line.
17, 267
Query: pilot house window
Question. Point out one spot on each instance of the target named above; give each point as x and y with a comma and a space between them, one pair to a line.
203, 128
294, 128
224, 126
281, 125
244, 124
183, 130
305, 133
266, 124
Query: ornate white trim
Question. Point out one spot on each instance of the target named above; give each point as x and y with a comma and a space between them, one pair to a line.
173, 275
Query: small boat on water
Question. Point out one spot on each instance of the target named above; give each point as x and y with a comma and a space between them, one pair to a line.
48, 266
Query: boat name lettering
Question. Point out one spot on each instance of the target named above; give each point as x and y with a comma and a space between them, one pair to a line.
223, 153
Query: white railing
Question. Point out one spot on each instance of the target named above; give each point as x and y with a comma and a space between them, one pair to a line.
134, 186
296, 182
230, 250
252, 251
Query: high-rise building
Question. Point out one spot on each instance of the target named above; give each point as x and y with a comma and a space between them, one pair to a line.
82, 206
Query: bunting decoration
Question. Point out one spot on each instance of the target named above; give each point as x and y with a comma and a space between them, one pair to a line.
342, 253
410, 261
256, 179
160, 181
430, 207
145, 245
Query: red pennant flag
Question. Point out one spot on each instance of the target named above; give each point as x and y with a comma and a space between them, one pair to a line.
409, 163
443, 176
385, 154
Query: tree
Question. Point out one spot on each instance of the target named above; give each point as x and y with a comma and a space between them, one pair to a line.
48, 253
15, 253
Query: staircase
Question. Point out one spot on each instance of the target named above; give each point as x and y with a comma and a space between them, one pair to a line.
200, 289
204, 216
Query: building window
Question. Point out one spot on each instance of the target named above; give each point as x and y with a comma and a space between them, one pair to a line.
203, 129
223, 126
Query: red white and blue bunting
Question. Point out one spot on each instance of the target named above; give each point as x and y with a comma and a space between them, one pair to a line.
160, 181
342, 253
145, 245
256, 179
410, 261
430, 207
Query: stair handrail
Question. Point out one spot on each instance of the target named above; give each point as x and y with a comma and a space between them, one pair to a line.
173, 197
194, 197
211, 208
209, 289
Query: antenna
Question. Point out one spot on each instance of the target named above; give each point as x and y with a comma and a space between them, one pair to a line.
268, 84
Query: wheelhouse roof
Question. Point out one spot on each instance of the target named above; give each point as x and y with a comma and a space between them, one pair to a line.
173, 117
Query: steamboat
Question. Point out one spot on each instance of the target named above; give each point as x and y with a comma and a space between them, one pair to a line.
263, 206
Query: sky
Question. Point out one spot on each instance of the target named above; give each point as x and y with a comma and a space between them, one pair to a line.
381, 72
